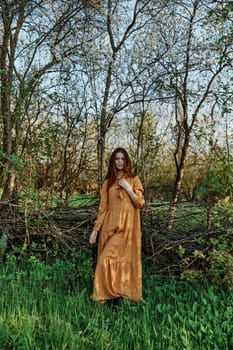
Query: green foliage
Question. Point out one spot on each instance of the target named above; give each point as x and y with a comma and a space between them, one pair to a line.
13, 159
3, 244
216, 183
222, 13
213, 260
224, 208
49, 309
193, 276
221, 268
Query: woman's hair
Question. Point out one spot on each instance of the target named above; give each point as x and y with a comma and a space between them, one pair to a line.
112, 171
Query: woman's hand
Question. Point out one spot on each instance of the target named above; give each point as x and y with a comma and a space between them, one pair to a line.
124, 184
93, 237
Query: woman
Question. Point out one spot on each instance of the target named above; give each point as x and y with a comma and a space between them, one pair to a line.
118, 270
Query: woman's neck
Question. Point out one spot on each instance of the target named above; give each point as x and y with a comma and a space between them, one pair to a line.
120, 174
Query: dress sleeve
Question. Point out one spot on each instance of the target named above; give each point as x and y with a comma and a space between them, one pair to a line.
103, 207
138, 190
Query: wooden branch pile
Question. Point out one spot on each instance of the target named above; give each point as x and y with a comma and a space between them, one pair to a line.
64, 230
180, 249
61, 230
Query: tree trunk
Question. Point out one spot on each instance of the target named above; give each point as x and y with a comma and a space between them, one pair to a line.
9, 193
5, 107
102, 127
208, 216
100, 153
178, 182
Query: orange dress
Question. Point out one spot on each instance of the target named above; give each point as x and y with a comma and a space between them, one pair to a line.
118, 270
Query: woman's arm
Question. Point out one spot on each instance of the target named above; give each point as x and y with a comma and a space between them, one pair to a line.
103, 206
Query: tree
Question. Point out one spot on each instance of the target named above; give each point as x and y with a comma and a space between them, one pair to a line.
36, 37
117, 65
190, 75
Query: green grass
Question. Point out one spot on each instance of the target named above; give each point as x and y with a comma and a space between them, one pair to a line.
188, 216
49, 307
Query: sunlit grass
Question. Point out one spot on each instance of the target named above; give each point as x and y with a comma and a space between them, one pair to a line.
187, 217
49, 307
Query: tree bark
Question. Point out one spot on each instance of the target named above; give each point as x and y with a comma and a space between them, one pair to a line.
178, 181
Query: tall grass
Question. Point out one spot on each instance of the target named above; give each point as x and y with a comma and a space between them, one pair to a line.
49, 307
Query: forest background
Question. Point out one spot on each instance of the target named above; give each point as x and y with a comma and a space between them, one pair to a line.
79, 78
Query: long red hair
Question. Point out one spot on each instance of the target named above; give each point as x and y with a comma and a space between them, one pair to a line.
112, 171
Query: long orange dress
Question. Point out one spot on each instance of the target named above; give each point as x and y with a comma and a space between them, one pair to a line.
119, 270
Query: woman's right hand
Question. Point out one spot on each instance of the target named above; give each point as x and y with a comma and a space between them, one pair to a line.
93, 237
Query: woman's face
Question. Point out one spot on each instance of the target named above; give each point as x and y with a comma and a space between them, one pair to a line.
119, 161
